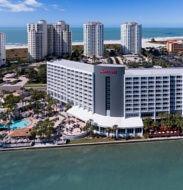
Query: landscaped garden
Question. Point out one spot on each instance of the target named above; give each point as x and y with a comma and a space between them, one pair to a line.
167, 125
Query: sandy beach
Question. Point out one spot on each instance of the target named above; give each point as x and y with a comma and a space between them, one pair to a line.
145, 42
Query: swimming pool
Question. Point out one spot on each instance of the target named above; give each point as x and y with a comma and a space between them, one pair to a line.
17, 124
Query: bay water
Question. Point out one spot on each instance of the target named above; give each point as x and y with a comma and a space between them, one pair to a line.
18, 35
140, 166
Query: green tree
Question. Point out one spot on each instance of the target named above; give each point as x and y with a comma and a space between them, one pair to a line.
147, 123
10, 102
90, 127
43, 129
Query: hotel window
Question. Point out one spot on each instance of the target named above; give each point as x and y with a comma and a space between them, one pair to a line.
129, 131
108, 85
138, 130
121, 131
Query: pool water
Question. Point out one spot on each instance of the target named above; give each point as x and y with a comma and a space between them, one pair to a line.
18, 124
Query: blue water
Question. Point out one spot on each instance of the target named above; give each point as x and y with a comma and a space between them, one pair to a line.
18, 35
141, 166
18, 124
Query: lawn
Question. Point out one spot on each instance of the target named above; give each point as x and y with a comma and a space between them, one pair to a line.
35, 86
92, 140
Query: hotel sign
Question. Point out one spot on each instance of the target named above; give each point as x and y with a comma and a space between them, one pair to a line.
108, 72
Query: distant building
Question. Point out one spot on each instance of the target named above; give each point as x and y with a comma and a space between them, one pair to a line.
93, 39
62, 39
174, 46
50, 30
37, 40
2, 49
131, 38
48, 39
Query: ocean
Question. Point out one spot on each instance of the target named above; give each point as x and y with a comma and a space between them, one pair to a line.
140, 166
18, 35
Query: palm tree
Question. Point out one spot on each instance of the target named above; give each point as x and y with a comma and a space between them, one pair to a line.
43, 129
169, 121
94, 58
90, 126
163, 115
154, 124
147, 123
50, 104
178, 121
115, 129
108, 131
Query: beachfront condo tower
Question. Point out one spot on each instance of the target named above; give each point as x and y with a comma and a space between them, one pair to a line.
62, 39
2, 49
37, 40
93, 39
131, 38
59, 39
48, 40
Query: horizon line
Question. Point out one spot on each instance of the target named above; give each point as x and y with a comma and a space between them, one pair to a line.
106, 26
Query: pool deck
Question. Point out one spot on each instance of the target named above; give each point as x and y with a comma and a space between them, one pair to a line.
46, 146
30, 124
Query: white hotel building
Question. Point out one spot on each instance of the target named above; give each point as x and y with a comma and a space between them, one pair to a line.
2, 49
112, 95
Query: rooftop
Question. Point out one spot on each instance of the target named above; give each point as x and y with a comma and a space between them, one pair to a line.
93, 23
89, 68
110, 65
154, 71
106, 121
25, 132
73, 65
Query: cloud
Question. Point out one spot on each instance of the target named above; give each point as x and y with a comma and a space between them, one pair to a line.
57, 7
20, 6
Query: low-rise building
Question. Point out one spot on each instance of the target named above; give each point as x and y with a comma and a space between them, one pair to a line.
174, 46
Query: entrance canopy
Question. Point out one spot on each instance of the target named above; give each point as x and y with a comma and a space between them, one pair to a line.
106, 121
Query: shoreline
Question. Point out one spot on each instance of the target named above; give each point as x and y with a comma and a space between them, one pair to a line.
122, 142
145, 42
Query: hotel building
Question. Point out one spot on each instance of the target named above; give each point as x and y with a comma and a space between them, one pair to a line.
112, 95
131, 38
93, 39
175, 46
2, 49
48, 40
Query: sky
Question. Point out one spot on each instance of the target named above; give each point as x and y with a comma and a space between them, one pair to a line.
150, 13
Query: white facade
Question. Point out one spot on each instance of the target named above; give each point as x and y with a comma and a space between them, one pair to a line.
37, 40
48, 39
131, 38
93, 39
142, 92
70, 82
2, 49
149, 92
